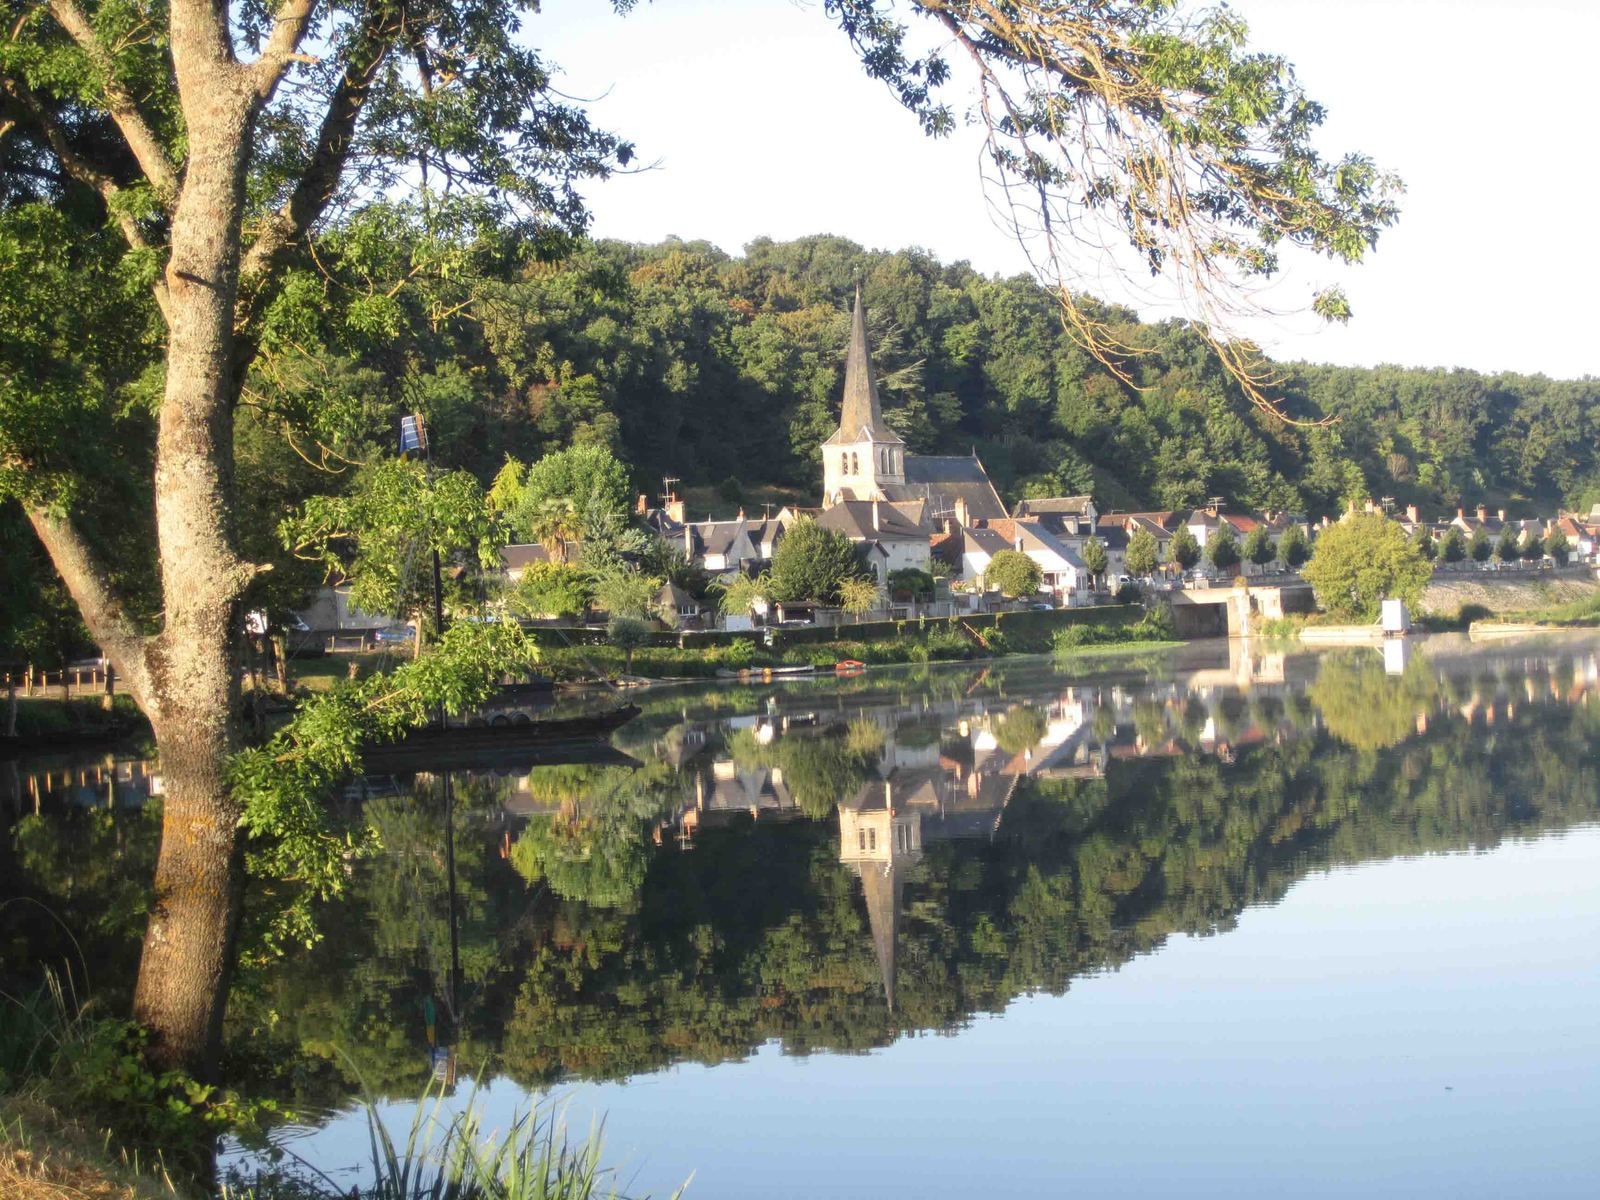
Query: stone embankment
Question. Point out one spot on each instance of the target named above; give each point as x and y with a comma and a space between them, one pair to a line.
1509, 591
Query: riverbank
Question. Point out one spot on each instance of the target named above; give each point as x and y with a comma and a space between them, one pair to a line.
47, 1156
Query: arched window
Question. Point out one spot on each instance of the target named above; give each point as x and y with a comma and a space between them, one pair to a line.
855, 464
883, 461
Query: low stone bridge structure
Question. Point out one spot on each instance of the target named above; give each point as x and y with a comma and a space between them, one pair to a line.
1226, 611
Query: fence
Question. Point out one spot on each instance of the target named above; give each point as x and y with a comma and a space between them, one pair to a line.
63, 684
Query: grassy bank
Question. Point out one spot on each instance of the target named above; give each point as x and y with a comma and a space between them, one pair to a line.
989, 635
44, 721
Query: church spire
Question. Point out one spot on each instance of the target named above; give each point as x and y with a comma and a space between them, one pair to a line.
860, 418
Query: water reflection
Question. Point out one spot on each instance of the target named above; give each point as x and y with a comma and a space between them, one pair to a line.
833, 864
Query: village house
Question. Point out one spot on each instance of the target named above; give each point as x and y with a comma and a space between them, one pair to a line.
894, 537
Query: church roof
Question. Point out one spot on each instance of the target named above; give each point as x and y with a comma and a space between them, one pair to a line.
941, 479
860, 418
876, 520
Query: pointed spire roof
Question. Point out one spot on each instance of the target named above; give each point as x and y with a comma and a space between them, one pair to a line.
880, 884
860, 418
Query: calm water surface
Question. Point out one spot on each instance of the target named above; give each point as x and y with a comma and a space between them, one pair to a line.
1216, 923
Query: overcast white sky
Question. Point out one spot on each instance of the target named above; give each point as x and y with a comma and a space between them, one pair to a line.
764, 124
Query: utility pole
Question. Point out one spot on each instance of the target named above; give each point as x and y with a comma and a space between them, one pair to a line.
414, 438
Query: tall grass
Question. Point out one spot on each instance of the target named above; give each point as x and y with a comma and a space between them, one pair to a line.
451, 1156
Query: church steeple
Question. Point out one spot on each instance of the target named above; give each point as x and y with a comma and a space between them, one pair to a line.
860, 417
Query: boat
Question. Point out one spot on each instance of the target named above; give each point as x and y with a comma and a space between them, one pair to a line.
849, 666
766, 672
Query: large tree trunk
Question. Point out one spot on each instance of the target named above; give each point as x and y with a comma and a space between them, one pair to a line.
193, 664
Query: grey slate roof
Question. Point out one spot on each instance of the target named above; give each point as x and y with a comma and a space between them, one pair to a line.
941, 479
1074, 506
855, 519
860, 418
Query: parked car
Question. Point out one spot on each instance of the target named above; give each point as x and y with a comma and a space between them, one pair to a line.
1042, 606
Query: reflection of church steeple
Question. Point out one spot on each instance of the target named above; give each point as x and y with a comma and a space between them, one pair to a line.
880, 843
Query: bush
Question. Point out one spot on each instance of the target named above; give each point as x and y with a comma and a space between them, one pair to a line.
1129, 593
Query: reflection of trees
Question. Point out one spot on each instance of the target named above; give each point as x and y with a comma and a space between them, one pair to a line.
595, 848
818, 768
760, 933
1364, 706
1020, 730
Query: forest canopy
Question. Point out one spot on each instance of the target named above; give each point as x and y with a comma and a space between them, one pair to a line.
694, 363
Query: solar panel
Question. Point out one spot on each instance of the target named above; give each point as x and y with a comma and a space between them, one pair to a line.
413, 435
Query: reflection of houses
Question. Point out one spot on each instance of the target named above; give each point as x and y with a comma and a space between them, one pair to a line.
885, 826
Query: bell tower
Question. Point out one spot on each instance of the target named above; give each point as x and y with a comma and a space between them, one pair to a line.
863, 454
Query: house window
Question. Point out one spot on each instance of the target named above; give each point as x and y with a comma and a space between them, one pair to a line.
883, 461
902, 836
872, 839
861, 836
855, 463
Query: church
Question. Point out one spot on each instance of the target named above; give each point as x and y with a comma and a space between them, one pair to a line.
865, 460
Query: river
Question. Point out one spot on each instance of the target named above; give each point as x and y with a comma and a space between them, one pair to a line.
1228, 920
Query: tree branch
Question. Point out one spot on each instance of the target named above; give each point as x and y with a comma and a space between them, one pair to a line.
141, 139
97, 600
317, 186
282, 48
86, 173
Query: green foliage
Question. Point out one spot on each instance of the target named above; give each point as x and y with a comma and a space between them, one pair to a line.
1363, 560
859, 595
1143, 554
549, 589
396, 516
1452, 546
1021, 729
628, 633
622, 592
1258, 547
812, 563
1293, 548
1014, 573
909, 580
1479, 546
1222, 548
1094, 557
1507, 547
1366, 708
1422, 539
1185, 550
1557, 546
738, 595
282, 786
589, 477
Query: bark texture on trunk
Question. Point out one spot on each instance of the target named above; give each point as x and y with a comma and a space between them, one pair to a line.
193, 664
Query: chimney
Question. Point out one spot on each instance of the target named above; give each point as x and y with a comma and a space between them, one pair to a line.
688, 543
740, 517
1461, 513
876, 522
963, 513
642, 505
1411, 514
1211, 510
1483, 513
1502, 514
674, 508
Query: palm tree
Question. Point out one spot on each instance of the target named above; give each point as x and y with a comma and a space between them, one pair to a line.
554, 524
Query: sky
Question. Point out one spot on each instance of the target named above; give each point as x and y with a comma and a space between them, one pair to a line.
758, 121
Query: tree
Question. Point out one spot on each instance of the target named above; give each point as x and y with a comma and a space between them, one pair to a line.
858, 595
1531, 545
917, 583
1258, 547
624, 592
811, 563
1293, 548
739, 594
213, 210
1014, 573
1452, 546
1557, 546
550, 590
554, 524
1185, 551
1222, 548
1094, 557
1143, 554
1506, 547
1092, 94
397, 516
1422, 539
1479, 546
589, 478
628, 633
1363, 560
